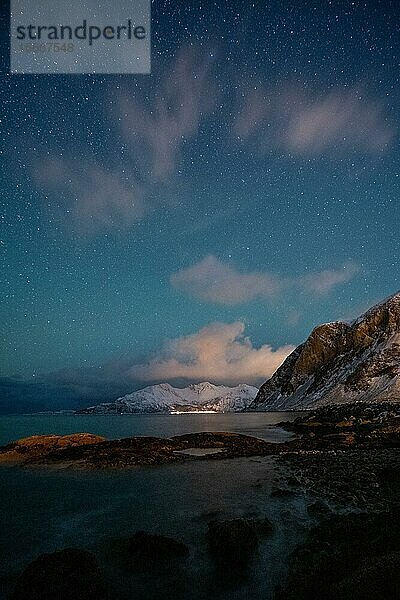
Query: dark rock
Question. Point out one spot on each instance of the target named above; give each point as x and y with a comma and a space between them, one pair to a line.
147, 549
318, 508
377, 578
233, 542
70, 574
340, 552
263, 526
37, 446
340, 363
279, 492
389, 479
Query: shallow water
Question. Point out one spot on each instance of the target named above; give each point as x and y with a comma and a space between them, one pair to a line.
44, 511
198, 451
117, 426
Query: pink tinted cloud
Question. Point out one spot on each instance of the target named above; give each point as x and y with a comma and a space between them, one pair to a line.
163, 126
322, 283
291, 119
338, 119
91, 197
219, 352
214, 281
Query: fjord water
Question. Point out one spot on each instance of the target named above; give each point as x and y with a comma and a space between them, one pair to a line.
44, 511
118, 426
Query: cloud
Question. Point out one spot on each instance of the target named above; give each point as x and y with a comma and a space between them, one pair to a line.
91, 197
290, 119
94, 197
160, 128
219, 352
322, 283
338, 119
214, 281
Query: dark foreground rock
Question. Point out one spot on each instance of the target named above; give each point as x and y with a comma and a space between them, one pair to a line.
349, 425
348, 466
65, 575
36, 447
348, 556
233, 542
146, 550
377, 578
348, 455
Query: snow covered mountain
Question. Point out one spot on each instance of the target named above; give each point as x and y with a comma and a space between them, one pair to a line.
340, 363
199, 397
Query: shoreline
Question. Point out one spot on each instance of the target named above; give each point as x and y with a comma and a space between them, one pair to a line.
343, 466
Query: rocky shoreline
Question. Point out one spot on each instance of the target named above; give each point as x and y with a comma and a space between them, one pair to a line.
344, 461
339, 430
352, 480
87, 452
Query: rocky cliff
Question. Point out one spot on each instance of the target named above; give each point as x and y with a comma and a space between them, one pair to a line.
340, 362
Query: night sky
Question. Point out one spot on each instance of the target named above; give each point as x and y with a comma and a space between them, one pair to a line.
196, 223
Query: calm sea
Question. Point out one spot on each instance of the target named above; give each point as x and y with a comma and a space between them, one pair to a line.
118, 426
43, 511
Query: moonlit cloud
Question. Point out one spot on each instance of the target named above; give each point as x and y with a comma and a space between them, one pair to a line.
158, 123
286, 118
91, 198
95, 198
219, 352
338, 119
214, 281
322, 283
161, 127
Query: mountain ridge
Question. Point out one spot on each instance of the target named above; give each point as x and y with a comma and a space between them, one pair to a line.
164, 398
340, 362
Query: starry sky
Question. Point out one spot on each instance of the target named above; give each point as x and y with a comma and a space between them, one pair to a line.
196, 223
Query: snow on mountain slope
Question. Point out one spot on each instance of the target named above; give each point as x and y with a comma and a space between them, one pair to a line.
166, 398
340, 362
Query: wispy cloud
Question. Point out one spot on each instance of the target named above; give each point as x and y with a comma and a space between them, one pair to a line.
219, 352
339, 119
91, 197
214, 281
161, 127
156, 121
322, 283
289, 119
94, 197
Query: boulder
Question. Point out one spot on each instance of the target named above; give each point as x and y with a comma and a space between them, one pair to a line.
148, 549
232, 542
65, 575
